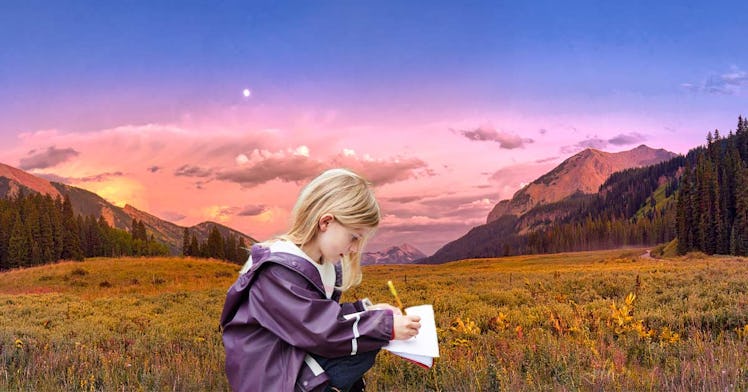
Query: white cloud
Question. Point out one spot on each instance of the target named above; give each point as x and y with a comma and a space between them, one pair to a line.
241, 159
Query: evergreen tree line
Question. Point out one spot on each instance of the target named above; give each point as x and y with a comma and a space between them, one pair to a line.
712, 206
216, 246
623, 213
36, 229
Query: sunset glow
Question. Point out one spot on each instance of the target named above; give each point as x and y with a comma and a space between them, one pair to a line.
447, 109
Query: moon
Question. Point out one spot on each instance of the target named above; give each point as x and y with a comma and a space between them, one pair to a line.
246, 93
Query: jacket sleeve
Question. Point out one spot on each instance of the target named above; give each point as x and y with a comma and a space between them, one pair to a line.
353, 307
282, 302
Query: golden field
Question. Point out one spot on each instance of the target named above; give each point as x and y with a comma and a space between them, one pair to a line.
608, 320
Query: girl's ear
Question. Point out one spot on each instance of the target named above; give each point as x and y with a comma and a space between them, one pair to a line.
324, 221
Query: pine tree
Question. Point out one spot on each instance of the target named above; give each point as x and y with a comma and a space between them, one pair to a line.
71, 246
46, 231
194, 246
19, 254
4, 237
229, 248
241, 253
186, 242
739, 235
215, 244
58, 229
106, 237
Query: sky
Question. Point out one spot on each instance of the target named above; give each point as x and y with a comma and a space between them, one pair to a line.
222, 111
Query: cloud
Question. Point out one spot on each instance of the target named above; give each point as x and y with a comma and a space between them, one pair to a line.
44, 159
544, 160
193, 171
383, 171
99, 177
154, 169
600, 144
296, 165
219, 213
593, 142
68, 180
728, 83
403, 199
252, 210
459, 208
629, 138
486, 134
295, 168
53, 177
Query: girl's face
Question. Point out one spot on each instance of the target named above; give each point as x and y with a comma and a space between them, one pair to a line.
336, 239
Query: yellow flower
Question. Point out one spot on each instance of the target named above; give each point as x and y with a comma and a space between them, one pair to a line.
668, 337
19, 343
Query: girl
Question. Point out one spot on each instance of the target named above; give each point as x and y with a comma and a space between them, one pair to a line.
283, 328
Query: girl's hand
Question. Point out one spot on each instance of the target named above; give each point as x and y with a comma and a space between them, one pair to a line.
406, 326
395, 310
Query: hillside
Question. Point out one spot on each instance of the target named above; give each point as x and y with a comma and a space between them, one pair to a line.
605, 220
12, 180
581, 221
87, 203
582, 173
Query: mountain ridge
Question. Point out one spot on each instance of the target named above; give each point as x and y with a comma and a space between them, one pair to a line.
583, 172
399, 254
84, 202
526, 231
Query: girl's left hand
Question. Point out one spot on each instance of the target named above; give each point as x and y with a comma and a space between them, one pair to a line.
395, 310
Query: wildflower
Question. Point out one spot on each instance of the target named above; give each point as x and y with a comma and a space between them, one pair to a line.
466, 327
460, 343
499, 323
19, 343
559, 326
643, 331
742, 332
668, 337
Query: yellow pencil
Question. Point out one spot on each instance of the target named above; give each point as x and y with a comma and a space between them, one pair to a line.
394, 294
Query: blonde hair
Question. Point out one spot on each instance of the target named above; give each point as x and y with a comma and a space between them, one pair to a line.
346, 196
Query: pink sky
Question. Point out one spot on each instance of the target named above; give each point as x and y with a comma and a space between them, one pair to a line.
434, 180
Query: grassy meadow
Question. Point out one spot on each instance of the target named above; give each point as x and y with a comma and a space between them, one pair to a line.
608, 320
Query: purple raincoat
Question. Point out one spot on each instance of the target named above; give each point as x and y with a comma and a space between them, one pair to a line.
277, 312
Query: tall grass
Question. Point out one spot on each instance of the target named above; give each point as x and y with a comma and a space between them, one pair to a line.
114, 324
580, 321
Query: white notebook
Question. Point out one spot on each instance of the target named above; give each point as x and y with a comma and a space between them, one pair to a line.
422, 348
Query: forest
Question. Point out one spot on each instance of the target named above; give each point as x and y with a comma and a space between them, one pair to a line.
36, 229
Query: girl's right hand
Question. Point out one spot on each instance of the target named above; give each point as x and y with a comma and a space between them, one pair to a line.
406, 326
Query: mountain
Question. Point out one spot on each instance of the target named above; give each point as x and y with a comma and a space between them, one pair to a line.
403, 254
13, 180
582, 173
633, 206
